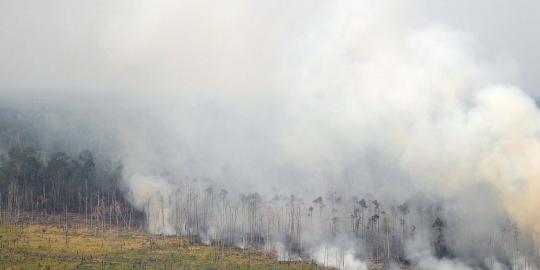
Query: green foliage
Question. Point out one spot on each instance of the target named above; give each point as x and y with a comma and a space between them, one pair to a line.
31, 181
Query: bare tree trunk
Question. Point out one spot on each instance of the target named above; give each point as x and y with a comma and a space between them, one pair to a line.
66, 225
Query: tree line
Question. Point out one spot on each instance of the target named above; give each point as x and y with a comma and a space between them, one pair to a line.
36, 182
331, 227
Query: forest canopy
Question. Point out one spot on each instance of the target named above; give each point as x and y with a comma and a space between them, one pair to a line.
36, 179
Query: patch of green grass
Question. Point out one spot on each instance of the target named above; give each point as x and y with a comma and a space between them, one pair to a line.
51, 247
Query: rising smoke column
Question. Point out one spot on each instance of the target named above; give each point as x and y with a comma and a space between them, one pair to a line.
373, 101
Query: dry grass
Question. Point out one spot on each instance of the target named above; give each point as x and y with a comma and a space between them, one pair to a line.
54, 247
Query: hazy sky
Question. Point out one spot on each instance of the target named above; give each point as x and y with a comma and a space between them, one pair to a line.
509, 28
71, 46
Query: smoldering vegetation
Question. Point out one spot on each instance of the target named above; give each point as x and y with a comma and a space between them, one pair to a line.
357, 232
347, 229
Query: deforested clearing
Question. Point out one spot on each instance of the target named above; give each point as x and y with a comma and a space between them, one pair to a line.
33, 246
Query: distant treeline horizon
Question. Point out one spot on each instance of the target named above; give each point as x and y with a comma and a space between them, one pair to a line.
34, 178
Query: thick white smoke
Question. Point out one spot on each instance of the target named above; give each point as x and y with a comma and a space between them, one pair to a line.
366, 85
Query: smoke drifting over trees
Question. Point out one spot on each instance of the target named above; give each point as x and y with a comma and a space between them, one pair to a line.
338, 131
36, 182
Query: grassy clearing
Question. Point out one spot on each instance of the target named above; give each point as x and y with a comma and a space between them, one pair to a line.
52, 247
